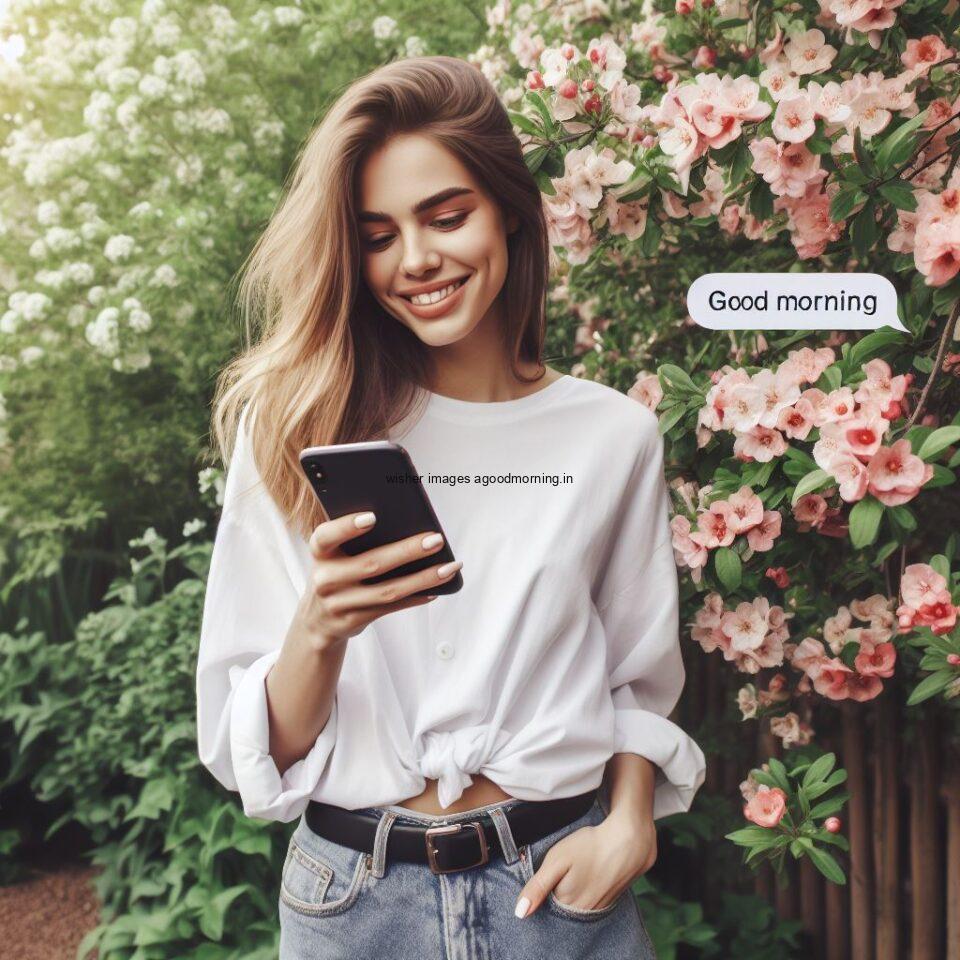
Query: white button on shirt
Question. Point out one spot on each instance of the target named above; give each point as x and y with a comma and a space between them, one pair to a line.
566, 629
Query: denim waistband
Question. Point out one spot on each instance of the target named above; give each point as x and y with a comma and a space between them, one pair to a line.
416, 816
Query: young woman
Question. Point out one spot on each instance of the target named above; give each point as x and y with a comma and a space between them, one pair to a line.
445, 755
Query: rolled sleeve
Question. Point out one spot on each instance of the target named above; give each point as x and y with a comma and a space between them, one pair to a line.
251, 598
641, 620
264, 792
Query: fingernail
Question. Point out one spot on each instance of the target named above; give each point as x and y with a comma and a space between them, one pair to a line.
523, 904
434, 540
433, 596
365, 519
449, 568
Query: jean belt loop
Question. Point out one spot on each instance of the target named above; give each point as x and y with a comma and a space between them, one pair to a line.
505, 834
380, 844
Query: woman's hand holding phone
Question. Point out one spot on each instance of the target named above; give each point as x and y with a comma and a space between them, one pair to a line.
337, 606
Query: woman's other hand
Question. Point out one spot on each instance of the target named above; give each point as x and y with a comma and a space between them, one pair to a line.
589, 868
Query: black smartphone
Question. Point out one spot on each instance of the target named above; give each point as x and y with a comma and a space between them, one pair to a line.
378, 475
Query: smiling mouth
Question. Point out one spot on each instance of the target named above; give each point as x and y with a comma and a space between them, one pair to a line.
428, 299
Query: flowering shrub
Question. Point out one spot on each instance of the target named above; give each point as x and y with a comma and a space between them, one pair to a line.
785, 806
672, 139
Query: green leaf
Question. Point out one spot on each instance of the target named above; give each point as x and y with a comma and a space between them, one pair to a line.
863, 156
900, 194
931, 686
650, 239
812, 481
215, 910
819, 769
898, 146
549, 124
937, 441
534, 158
779, 772
872, 345
760, 202
524, 123
678, 378
865, 521
728, 567
825, 863
863, 230
942, 565
841, 206
827, 808
671, 418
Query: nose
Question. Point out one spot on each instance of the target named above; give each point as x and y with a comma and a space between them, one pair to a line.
418, 258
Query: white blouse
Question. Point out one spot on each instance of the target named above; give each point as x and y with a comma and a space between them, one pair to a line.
561, 649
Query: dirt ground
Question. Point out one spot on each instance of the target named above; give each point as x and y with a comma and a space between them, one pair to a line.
45, 915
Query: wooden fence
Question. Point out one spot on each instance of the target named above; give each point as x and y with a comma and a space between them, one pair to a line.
902, 897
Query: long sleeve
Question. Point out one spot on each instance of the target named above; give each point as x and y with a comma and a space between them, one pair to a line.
640, 612
250, 601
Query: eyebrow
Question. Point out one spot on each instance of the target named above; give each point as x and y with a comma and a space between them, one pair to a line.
375, 216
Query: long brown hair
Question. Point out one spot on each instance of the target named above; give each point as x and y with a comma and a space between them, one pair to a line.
331, 365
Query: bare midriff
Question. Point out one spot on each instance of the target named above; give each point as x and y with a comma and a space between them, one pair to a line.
480, 792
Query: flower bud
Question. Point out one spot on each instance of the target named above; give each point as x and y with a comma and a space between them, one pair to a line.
535, 80
953, 659
587, 85
567, 51
568, 89
832, 824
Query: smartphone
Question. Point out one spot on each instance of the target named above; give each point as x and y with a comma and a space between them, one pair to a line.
380, 476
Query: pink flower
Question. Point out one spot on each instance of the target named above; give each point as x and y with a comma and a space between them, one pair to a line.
745, 509
746, 626
705, 58
862, 433
682, 144
924, 53
940, 617
861, 687
779, 576
880, 387
810, 510
921, 584
689, 548
793, 120
646, 390
767, 807
788, 168
773, 48
877, 662
797, 421
896, 474
759, 443
808, 364
831, 679
937, 252
717, 530
808, 53
761, 537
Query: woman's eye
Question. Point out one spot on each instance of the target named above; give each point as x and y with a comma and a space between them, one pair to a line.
445, 223
451, 221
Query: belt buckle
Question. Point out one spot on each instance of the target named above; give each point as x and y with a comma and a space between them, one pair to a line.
431, 832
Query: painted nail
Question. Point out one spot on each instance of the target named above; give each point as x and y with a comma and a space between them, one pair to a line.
523, 905
434, 540
365, 519
449, 568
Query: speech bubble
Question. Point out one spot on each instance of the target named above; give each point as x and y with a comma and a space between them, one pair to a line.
793, 301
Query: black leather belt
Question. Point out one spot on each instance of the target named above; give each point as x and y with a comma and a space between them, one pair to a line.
451, 846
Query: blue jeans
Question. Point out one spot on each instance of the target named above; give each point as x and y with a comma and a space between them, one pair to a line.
337, 903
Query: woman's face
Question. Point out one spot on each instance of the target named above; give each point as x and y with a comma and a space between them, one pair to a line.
425, 225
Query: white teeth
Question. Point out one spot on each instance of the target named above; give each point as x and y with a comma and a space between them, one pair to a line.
423, 299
